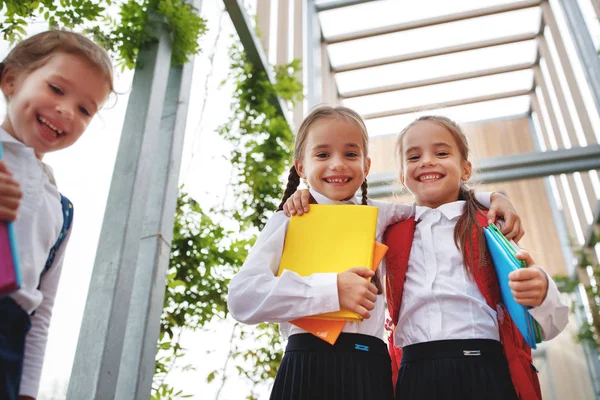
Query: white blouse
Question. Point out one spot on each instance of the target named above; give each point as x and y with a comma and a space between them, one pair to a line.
257, 295
37, 227
441, 302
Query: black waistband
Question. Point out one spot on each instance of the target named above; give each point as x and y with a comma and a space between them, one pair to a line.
452, 349
346, 342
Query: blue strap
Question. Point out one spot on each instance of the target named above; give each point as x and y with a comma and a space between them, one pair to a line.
67, 209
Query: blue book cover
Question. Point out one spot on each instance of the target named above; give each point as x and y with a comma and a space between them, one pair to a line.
503, 255
10, 272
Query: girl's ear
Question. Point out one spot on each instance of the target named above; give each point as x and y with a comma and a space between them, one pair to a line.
299, 169
467, 171
9, 80
367, 166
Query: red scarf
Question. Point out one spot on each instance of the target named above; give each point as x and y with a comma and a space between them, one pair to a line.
399, 238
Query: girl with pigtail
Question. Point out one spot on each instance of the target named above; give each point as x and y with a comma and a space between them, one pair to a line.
331, 154
451, 337
456, 338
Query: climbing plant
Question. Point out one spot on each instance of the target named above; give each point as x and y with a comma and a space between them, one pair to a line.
133, 26
205, 255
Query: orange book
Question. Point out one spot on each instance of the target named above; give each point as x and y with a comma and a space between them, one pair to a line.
329, 330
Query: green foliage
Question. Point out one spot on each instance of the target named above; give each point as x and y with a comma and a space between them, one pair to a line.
134, 28
566, 284
589, 333
261, 137
203, 258
67, 13
205, 255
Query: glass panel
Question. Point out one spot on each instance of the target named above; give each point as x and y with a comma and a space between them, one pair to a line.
516, 106
442, 92
435, 37
383, 13
456, 63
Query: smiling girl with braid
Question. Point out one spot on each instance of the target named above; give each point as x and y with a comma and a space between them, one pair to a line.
331, 154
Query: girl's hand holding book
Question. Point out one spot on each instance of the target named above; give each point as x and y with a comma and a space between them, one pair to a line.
528, 285
298, 203
501, 207
355, 292
10, 194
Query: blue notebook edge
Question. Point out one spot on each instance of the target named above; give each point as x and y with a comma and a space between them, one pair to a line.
504, 263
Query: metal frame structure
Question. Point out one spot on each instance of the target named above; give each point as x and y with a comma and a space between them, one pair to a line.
118, 337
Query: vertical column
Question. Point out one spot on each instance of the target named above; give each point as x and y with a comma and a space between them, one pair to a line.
314, 93
330, 90
590, 195
143, 326
299, 55
571, 186
263, 17
584, 118
100, 345
560, 219
584, 44
283, 32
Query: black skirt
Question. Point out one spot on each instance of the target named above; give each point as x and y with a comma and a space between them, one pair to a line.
455, 370
357, 367
14, 325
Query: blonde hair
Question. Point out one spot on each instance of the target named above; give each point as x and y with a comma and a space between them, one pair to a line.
33, 52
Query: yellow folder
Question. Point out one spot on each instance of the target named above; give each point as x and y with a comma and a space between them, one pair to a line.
330, 238
329, 330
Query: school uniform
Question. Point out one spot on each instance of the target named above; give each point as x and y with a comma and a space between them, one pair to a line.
311, 368
454, 334
23, 336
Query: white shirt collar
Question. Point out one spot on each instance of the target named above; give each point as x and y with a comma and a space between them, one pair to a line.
6, 137
326, 200
450, 210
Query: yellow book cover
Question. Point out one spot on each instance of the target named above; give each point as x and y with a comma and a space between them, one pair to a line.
330, 238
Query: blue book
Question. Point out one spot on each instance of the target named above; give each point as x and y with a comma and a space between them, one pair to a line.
503, 254
10, 272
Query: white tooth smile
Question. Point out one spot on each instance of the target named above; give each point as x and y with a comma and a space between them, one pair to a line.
429, 177
50, 125
337, 180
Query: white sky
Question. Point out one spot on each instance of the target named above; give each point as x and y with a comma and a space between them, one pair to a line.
84, 171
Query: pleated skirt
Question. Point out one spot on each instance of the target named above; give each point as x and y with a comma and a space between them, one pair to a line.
455, 370
357, 367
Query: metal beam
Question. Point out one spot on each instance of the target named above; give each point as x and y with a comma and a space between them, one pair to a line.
335, 4
550, 21
143, 327
443, 19
253, 49
584, 45
452, 103
313, 64
102, 335
512, 167
436, 52
441, 79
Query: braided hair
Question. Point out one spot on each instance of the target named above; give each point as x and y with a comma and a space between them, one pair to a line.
463, 238
315, 115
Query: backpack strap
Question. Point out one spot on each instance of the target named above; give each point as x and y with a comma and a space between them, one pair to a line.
67, 211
